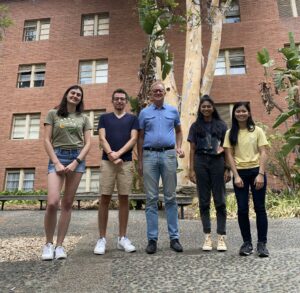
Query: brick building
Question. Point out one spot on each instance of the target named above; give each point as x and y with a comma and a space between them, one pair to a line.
54, 44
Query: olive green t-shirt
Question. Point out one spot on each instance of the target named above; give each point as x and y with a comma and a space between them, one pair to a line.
68, 132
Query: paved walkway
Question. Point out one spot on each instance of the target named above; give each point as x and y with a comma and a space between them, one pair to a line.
165, 271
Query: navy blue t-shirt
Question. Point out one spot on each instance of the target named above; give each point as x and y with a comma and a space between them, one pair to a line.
118, 132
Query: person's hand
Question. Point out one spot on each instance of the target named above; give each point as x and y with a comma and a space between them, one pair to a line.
59, 168
227, 176
259, 181
238, 182
112, 156
180, 152
71, 167
192, 176
140, 168
118, 161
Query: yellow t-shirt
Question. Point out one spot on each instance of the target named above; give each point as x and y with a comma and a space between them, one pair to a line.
246, 152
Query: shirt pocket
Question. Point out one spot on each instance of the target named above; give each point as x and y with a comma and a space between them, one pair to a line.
149, 122
169, 120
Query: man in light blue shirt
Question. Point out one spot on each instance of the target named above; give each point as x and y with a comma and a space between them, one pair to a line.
160, 140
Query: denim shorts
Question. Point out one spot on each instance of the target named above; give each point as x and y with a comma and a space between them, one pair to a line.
66, 157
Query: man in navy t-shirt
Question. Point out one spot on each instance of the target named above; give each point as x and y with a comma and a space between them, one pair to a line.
118, 132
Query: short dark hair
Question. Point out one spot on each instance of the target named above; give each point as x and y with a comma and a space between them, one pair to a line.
62, 107
121, 91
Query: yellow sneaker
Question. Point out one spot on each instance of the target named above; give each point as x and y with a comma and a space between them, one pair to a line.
207, 246
221, 243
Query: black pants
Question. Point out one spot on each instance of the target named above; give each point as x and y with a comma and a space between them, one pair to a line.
259, 196
210, 180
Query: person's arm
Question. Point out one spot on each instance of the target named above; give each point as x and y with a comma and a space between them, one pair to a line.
192, 174
230, 160
141, 137
128, 146
179, 137
59, 168
104, 144
260, 178
84, 151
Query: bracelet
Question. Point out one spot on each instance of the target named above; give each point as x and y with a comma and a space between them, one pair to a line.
261, 173
78, 160
227, 168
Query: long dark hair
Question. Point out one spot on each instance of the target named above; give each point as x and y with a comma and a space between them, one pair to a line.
216, 122
62, 109
234, 131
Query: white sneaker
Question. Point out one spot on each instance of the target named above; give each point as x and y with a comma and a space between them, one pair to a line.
48, 251
207, 246
125, 244
221, 243
100, 246
60, 253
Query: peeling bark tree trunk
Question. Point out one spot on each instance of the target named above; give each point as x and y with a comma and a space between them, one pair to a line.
217, 16
191, 82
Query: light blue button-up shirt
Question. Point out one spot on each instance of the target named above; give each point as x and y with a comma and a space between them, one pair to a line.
159, 125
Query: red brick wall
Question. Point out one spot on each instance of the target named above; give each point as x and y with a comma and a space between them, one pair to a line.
260, 27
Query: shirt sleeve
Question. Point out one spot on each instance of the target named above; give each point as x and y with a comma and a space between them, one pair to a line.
261, 139
87, 124
142, 120
177, 119
135, 124
191, 136
49, 119
101, 122
227, 143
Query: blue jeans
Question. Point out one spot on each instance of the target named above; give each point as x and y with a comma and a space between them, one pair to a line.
259, 196
164, 165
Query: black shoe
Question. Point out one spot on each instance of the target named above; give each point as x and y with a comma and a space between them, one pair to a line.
151, 247
175, 245
262, 249
246, 248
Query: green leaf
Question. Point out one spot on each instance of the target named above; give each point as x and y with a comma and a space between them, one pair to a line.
284, 116
263, 56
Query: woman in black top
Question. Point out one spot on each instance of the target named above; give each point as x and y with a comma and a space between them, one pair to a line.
207, 168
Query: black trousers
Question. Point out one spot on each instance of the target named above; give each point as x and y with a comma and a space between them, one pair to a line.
210, 181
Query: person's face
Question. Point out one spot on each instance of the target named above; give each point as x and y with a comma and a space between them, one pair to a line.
241, 114
158, 93
74, 96
206, 109
119, 101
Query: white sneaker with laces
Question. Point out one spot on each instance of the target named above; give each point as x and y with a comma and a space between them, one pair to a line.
125, 244
207, 246
48, 251
221, 243
60, 253
100, 246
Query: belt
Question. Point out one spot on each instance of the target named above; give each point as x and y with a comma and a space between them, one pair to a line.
158, 149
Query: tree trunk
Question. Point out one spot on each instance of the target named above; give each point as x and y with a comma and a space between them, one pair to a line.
217, 16
191, 82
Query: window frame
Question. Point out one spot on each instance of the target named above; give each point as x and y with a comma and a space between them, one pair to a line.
28, 118
234, 18
38, 29
21, 180
228, 64
92, 115
33, 71
87, 179
97, 17
93, 76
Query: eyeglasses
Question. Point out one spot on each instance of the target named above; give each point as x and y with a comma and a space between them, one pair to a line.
119, 99
76, 94
157, 91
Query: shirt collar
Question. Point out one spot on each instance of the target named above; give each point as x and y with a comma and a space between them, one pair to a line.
156, 108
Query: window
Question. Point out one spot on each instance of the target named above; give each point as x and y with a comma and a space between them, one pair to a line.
36, 30
225, 111
95, 71
19, 179
31, 75
26, 126
232, 15
90, 180
289, 8
94, 116
231, 61
95, 24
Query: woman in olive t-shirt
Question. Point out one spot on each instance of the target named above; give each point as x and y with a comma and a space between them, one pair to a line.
67, 142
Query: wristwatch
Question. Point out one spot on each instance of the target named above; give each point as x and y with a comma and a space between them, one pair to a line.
78, 160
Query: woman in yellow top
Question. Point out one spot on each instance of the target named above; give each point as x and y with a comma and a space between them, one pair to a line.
245, 147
